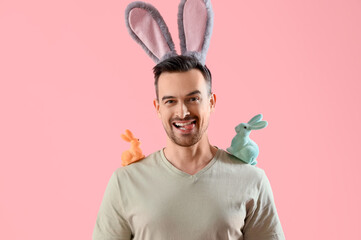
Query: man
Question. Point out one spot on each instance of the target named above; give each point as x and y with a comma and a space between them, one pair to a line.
190, 189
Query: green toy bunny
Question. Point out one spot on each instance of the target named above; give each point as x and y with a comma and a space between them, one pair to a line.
242, 146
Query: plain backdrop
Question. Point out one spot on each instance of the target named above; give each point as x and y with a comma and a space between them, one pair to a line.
72, 80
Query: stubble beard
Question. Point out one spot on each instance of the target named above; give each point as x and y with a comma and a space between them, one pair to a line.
186, 141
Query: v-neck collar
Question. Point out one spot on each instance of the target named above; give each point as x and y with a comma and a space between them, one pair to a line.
180, 173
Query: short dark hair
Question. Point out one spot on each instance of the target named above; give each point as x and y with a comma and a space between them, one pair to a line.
181, 64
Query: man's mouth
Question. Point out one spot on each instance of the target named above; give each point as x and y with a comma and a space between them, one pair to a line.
185, 126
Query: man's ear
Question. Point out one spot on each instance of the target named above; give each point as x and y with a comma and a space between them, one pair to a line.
156, 106
212, 101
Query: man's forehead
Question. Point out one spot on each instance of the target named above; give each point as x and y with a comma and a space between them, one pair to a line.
181, 82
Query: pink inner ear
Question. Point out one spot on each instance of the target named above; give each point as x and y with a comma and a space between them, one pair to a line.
194, 22
148, 31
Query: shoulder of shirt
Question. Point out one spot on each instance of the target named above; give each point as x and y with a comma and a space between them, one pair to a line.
226, 160
229, 161
150, 161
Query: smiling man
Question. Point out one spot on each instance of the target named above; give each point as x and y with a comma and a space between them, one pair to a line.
189, 190
184, 104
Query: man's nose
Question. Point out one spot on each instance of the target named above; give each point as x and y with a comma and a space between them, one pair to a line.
182, 110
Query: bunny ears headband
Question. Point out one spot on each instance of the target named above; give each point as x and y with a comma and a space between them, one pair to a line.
195, 25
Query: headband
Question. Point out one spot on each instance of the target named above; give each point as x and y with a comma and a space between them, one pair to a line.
195, 25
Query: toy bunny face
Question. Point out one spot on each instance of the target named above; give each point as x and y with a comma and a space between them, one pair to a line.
184, 106
135, 142
253, 124
243, 127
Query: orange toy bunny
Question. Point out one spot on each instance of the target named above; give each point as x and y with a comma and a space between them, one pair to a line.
134, 153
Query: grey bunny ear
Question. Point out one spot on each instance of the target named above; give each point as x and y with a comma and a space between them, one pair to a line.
195, 26
147, 27
255, 119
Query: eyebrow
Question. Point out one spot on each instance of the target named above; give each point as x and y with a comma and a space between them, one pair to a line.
194, 92
189, 94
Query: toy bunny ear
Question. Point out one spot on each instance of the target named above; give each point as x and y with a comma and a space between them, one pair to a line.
129, 134
195, 25
148, 29
259, 125
126, 138
255, 119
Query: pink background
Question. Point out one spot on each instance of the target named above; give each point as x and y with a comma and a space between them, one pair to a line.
72, 80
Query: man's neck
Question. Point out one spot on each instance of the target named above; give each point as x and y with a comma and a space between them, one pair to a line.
190, 159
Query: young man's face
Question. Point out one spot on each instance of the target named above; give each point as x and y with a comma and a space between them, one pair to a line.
184, 106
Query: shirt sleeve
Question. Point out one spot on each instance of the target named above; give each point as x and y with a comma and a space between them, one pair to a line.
110, 223
262, 220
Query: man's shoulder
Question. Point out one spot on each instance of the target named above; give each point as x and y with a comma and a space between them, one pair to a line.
237, 166
146, 164
226, 163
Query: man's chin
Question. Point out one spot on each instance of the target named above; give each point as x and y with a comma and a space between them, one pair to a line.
183, 144
185, 140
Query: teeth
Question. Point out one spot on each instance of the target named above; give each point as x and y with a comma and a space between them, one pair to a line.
182, 124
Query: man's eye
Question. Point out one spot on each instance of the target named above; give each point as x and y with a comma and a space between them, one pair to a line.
194, 99
169, 101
